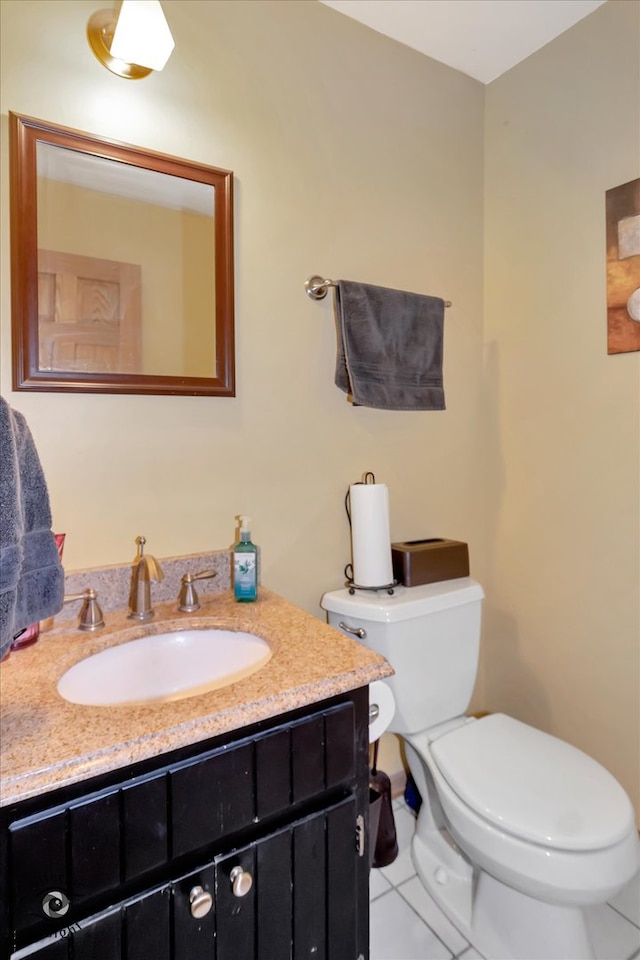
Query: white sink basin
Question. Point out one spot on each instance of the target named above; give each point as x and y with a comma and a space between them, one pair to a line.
165, 666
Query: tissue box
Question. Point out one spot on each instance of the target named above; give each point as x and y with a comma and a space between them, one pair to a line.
428, 561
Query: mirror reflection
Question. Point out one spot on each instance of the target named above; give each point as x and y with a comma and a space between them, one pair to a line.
126, 273
125, 278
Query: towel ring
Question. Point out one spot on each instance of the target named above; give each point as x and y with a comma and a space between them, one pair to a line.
316, 288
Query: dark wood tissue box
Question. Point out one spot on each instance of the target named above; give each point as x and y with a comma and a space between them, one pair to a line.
427, 561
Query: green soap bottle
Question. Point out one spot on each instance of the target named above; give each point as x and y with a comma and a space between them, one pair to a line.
245, 565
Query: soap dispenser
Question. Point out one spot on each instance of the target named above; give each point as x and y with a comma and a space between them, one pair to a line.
245, 565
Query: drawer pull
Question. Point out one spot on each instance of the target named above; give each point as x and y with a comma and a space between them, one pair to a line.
358, 632
240, 881
201, 902
55, 904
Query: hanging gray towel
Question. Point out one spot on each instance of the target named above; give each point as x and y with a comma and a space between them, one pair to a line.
390, 346
31, 575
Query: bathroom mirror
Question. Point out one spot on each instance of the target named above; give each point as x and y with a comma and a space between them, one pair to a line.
121, 267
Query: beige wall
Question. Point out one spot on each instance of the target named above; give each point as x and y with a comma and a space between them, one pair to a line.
353, 156
562, 627
357, 157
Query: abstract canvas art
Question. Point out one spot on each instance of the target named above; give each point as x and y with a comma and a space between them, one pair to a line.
623, 267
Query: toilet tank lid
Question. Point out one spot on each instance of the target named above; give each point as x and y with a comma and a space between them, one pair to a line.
533, 785
405, 602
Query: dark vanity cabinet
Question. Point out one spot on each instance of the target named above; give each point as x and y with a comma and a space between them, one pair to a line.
251, 845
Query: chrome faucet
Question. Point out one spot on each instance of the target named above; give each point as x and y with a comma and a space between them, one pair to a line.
144, 570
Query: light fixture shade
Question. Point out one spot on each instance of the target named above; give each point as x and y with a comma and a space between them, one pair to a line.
142, 34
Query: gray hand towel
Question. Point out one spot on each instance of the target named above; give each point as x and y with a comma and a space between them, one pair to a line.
31, 575
390, 346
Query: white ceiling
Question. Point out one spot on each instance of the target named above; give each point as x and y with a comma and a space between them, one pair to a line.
482, 38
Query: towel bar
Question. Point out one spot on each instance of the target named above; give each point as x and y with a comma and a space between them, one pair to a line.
316, 288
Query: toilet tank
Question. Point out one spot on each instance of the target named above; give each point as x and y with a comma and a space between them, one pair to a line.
431, 637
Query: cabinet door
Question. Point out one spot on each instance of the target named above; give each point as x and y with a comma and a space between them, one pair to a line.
302, 903
343, 865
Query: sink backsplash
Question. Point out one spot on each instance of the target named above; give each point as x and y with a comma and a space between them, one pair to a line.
112, 583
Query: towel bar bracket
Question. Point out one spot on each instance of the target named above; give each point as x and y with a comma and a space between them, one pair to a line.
316, 287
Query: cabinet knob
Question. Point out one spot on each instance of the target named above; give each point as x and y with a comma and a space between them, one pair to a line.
240, 881
200, 901
55, 904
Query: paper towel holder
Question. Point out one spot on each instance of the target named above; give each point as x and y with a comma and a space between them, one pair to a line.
367, 477
352, 586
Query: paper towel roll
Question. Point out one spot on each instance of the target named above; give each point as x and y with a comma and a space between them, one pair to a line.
370, 537
380, 696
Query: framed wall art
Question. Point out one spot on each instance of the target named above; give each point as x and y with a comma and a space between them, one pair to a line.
623, 267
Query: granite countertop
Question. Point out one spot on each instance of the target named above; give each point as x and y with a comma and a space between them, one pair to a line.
47, 742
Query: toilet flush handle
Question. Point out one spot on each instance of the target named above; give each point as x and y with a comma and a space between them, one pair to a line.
358, 632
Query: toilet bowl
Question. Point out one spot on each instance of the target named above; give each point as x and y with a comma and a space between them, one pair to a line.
519, 800
518, 831
539, 827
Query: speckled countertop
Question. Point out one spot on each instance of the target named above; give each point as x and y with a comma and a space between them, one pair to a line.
46, 742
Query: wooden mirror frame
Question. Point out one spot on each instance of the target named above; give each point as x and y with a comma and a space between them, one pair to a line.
24, 135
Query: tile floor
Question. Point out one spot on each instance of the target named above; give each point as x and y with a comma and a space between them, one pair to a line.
407, 925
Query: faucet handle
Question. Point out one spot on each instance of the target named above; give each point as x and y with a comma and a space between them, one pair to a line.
188, 600
91, 617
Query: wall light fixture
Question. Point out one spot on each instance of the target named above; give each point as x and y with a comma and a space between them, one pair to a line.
134, 42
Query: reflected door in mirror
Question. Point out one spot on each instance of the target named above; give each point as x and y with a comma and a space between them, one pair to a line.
88, 314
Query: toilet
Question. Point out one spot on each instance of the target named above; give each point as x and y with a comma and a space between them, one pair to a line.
518, 832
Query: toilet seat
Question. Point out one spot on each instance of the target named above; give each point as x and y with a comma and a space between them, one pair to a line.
577, 875
533, 785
